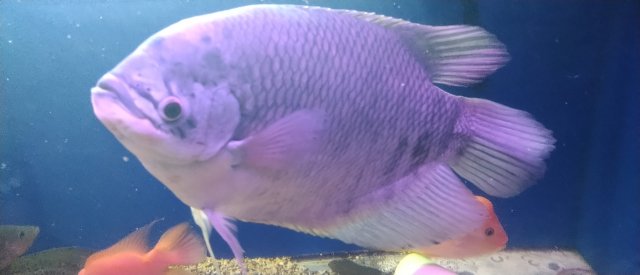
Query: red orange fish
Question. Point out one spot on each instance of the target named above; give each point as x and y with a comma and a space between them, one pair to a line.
131, 255
488, 238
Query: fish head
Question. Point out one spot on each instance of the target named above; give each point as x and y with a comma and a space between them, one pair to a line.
165, 102
490, 237
486, 239
15, 240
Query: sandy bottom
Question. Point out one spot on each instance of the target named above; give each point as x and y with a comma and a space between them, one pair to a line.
62, 261
553, 262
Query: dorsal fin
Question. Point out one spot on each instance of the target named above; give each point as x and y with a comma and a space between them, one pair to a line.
134, 242
456, 55
487, 203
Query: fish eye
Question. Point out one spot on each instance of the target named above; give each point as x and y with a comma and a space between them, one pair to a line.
489, 231
171, 109
22, 234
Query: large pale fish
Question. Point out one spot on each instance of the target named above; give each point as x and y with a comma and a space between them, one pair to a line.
323, 121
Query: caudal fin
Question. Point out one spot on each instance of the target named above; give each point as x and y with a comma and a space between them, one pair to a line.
180, 246
503, 149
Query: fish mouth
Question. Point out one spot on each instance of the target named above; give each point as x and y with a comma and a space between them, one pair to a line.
114, 106
111, 87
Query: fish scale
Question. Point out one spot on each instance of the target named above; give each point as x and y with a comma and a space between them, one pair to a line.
377, 112
326, 122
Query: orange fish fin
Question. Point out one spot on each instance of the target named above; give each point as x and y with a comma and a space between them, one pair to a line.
181, 246
134, 242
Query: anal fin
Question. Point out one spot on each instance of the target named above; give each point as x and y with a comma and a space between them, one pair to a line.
424, 208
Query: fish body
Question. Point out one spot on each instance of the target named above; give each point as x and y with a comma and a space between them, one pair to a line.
323, 121
177, 246
486, 239
15, 240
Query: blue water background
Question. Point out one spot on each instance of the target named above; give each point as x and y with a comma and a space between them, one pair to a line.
575, 67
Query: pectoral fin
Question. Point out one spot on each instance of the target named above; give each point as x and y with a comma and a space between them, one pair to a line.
282, 143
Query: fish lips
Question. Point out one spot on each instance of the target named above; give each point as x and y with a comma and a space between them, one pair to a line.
114, 107
111, 85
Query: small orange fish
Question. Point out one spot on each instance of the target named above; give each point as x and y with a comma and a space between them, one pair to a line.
488, 238
131, 255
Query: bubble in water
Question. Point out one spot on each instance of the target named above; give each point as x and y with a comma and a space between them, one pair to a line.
125, 158
68, 36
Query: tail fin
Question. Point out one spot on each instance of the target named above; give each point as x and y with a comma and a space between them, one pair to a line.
180, 246
504, 149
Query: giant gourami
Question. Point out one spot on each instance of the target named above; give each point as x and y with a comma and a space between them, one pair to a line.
323, 121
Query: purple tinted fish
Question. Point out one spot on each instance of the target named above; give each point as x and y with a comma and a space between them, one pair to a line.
322, 121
